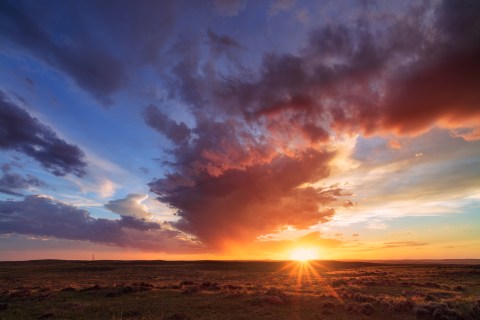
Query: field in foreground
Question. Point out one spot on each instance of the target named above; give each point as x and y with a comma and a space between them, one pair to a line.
50, 289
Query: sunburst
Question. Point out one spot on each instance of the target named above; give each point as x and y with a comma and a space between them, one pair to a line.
304, 254
305, 269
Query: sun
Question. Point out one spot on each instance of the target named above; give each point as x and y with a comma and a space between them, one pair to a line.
303, 254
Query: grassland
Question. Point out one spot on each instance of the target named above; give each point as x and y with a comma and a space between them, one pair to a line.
52, 289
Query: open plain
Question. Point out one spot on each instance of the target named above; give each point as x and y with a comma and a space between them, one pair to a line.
56, 289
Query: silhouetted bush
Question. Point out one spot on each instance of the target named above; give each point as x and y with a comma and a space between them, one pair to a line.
275, 300
191, 291
47, 315
178, 316
328, 307
232, 287
436, 311
339, 282
366, 308
279, 293
360, 297
20, 293
68, 289
351, 307
94, 287
475, 313
436, 296
401, 306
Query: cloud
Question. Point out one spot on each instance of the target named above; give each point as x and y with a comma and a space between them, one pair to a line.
399, 80
222, 44
346, 79
388, 75
228, 7
23, 133
42, 216
176, 132
240, 204
468, 135
277, 6
106, 188
403, 244
131, 206
11, 182
391, 183
81, 49
84, 59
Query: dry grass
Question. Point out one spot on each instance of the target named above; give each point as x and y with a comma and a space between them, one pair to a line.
236, 290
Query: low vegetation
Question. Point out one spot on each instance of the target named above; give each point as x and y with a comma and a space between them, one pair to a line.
237, 290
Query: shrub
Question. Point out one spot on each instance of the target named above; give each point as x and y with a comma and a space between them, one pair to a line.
94, 287
339, 282
232, 287
402, 306
476, 310
351, 307
178, 316
328, 307
436, 311
191, 291
275, 300
366, 308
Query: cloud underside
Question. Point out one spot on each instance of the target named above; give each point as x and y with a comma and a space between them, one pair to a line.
43, 216
239, 205
12, 183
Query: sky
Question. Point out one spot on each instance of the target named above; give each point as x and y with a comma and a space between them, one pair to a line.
239, 129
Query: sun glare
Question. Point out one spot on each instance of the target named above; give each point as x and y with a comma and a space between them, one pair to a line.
303, 254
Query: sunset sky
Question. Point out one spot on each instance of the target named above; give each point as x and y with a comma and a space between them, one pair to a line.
239, 129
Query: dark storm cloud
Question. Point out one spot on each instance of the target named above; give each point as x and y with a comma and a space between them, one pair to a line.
20, 132
46, 217
11, 182
443, 84
98, 57
222, 43
240, 204
393, 74
10, 192
82, 57
139, 224
177, 132
403, 79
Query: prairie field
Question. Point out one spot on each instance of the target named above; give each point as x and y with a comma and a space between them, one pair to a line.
56, 289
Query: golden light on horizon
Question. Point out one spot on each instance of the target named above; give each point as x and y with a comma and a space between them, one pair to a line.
304, 254
308, 272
